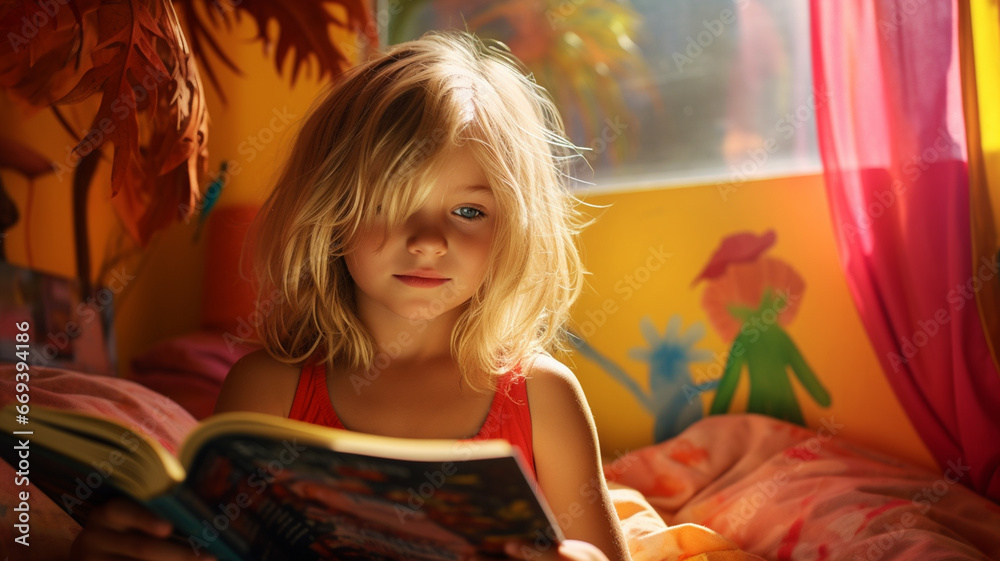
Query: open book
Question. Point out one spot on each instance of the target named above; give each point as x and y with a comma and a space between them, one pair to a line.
246, 486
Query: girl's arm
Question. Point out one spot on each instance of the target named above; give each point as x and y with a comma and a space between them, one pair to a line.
568, 461
258, 383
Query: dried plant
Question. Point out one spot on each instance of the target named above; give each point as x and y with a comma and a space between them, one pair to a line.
143, 60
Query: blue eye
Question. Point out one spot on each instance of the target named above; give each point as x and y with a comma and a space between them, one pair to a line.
470, 213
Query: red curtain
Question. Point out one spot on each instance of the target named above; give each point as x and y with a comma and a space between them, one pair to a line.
892, 140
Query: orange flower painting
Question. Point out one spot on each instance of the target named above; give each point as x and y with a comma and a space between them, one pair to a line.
750, 299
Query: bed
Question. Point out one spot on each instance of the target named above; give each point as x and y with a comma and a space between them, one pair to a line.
728, 487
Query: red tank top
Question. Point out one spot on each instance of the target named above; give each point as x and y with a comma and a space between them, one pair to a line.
509, 417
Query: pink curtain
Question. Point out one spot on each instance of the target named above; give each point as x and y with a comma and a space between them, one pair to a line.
892, 140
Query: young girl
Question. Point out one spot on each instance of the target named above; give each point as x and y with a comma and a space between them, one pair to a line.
418, 253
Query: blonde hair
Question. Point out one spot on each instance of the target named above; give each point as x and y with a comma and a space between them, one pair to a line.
370, 144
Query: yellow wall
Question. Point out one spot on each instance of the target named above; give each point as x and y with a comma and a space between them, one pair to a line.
689, 222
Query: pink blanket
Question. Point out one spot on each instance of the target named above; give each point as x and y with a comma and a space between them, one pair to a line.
783, 492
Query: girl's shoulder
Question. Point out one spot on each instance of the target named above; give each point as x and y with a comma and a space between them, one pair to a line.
552, 383
562, 427
260, 383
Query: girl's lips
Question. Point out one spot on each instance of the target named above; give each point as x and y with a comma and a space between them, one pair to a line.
420, 282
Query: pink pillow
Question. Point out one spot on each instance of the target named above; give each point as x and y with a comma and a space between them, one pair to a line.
190, 369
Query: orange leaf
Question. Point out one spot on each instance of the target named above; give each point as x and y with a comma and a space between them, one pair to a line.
135, 55
40, 51
152, 109
304, 28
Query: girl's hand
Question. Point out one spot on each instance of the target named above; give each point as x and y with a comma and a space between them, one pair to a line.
123, 529
572, 550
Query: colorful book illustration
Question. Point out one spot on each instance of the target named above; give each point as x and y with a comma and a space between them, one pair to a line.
247, 486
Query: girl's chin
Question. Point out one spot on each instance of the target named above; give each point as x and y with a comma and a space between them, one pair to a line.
425, 314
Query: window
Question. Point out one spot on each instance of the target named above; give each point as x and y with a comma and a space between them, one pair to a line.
661, 91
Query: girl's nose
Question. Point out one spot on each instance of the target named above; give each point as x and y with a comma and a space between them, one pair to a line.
427, 240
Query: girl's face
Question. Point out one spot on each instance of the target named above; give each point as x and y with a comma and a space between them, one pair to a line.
436, 260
